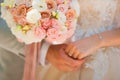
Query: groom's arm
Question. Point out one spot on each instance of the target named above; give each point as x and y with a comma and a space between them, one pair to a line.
8, 41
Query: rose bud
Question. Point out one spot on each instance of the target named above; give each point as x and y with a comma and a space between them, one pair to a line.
46, 14
21, 10
51, 4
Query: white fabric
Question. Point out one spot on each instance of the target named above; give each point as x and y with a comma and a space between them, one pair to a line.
8, 41
100, 19
96, 16
43, 52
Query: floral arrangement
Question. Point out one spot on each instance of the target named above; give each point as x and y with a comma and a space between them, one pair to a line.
51, 20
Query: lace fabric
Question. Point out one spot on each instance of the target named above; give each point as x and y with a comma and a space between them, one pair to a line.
96, 16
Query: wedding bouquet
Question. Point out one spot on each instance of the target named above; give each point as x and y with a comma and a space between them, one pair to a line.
51, 20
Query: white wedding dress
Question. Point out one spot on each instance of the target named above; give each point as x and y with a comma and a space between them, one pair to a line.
96, 16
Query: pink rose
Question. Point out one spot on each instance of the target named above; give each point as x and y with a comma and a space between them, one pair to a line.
54, 37
60, 1
52, 33
46, 23
39, 32
63, 8
56, 24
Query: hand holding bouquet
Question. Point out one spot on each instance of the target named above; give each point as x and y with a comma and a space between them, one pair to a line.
33, 21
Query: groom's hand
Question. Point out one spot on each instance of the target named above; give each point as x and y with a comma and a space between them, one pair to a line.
56, 56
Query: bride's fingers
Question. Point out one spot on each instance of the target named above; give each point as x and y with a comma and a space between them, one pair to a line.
76, 55
68, 48
68, 60
72, 51
82, 55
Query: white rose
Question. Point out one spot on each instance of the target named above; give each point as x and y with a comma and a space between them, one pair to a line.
61, 17
40, 5
33, 16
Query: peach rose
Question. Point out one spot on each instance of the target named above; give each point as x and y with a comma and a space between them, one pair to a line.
22, 21
13, 11
71, 14
21, 10
45, 14
51, 4
19, 14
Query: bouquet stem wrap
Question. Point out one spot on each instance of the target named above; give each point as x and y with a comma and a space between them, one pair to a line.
31, 60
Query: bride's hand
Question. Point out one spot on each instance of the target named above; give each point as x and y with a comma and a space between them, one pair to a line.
83, 48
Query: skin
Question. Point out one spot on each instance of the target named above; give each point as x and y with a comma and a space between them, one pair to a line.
87, 46
57, 57
79, 50
71, 56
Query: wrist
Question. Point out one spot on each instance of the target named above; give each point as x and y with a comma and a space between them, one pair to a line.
98, 40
